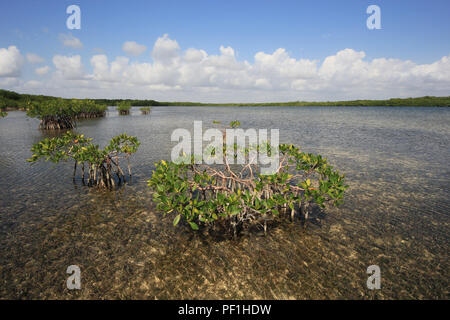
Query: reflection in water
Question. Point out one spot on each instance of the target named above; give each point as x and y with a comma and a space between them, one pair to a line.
396, 213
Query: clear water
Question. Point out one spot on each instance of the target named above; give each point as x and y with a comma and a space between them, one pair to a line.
396, 213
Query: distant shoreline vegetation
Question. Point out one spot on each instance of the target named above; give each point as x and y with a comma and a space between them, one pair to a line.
10, 100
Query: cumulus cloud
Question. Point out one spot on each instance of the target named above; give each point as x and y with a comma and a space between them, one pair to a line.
42, 71
103, 71
193, 74
34, 58
69, 40
11, 62
345, 75
69, 68
133, 49
165, 50
280, 68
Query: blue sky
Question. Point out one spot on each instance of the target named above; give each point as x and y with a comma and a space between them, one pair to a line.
416, 31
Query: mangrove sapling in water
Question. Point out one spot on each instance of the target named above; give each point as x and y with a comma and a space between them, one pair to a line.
101, 166
84, 109
236, 196
62, 113
145, 110
124, 108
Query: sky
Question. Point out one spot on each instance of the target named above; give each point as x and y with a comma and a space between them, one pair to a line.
226, 51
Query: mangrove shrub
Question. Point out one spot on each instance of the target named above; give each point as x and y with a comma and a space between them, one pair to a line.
62, 113
101, 166
124, 107
237, 196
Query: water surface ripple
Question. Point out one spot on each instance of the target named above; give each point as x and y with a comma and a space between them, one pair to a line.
396, 213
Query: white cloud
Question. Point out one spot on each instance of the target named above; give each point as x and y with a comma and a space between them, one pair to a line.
32, 84
34, 58
279, 69
9, 82
165, 50
194, 55
69, 40
195, 75
133, 49
103, 71
11, 62
69, 68
42, 71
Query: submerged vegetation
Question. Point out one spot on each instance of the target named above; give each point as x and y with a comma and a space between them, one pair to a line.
145, 110
236, 196
62, 113
128, 250
101, 165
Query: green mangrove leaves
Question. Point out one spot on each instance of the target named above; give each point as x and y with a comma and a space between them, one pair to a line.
101, 165
236, 196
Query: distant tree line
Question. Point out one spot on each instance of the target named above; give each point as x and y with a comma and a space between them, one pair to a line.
138, 103
10, 100
427, 101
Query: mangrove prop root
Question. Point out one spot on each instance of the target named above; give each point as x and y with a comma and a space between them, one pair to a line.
97, 166
103, 175
56, 123
225, 182
238, 196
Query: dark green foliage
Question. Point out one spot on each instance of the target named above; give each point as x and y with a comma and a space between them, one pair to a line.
142, 103
62, 113
10, 95
20, 101
426, 101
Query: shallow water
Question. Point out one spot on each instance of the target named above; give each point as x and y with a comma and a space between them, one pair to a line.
395, 215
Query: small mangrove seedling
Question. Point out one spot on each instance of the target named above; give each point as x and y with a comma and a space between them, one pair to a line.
101, 166
145, 110
237, 196
61, 113
124, 108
